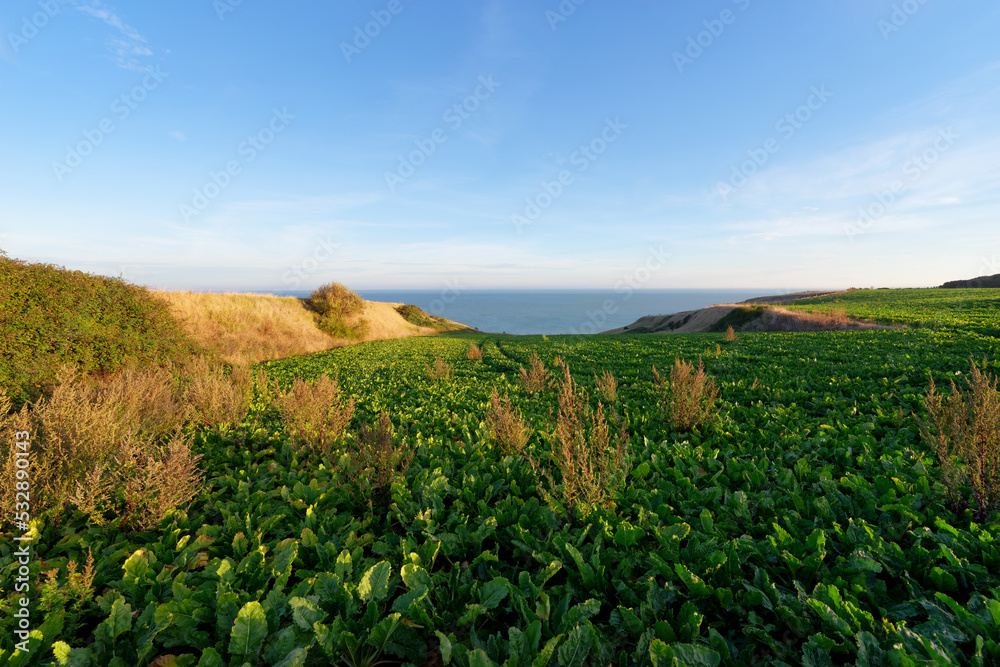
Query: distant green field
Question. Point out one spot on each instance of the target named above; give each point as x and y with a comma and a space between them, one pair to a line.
805, 526
971, 310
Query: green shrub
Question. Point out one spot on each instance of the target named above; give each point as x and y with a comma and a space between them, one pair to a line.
738, 317
334, 299
338, 311
52, 316
415, 315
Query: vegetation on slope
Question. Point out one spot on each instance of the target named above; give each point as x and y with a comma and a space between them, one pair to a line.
966, 310
338, 311
50, 316
247, 328
416, 315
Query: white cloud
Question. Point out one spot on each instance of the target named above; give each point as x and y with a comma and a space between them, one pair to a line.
965, 166
128, 46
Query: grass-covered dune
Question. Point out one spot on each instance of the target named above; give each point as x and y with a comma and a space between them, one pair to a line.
51, 317
425, 501
246, 328
249, 328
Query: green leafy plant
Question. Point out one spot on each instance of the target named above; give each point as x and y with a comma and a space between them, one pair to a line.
70, 596
805, 528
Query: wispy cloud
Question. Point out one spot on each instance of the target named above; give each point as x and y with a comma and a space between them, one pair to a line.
310, 209
127, 46
957, 170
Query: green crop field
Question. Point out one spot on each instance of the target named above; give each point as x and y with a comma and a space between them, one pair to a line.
806, 524
967, 310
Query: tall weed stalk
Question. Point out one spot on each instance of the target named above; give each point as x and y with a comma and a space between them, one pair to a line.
964, 432
591, 461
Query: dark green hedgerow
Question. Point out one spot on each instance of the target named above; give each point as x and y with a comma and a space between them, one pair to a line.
50, 316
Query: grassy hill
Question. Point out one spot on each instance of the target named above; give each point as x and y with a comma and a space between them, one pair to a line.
250, 328
246, 328
50, 316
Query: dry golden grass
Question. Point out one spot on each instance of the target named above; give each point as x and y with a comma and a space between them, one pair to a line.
245, 329
607, 387
140, 482
731, 334
783, 319
98, 445
474, 353
215, 397
375, 461
441, 370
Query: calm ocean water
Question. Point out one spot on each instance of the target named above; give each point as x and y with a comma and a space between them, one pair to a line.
555, 311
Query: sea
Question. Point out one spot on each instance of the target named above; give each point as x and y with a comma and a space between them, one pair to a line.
533, 312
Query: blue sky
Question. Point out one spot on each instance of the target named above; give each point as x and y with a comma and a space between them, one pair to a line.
217, 144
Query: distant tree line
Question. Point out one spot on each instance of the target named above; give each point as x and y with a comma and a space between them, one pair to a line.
981, 281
